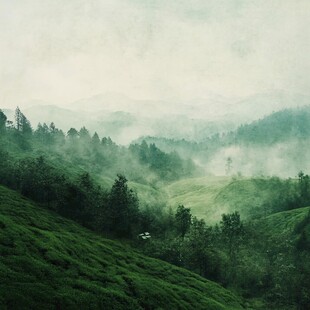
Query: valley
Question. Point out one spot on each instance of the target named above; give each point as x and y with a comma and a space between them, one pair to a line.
79, 203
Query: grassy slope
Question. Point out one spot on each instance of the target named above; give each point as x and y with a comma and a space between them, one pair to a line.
284, 222
209, 197
51, 261
199, 194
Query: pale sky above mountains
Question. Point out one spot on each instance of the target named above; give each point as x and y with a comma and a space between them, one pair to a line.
62, 51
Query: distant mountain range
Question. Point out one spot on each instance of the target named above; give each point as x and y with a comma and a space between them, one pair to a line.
273, 145
126, 119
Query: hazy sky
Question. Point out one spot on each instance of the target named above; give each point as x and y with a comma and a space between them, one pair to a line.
60, 51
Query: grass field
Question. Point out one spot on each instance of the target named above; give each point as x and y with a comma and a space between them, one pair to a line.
199, 194
48, 262
286, 222
210, 197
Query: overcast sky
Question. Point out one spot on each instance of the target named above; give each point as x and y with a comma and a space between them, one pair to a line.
60, 51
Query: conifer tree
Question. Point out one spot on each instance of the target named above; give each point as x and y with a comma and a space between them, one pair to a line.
3, 119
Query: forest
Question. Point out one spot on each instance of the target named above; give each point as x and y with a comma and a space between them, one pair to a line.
261, 254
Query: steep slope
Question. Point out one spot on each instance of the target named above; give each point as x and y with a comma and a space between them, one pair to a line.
52, 263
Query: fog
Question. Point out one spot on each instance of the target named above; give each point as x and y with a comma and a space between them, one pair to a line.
283, 160
173, 69
61, 52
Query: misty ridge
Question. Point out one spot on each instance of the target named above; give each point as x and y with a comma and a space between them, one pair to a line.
265, 134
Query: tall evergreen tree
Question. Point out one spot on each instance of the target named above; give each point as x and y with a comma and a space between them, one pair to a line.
183, 219
84, 134
123, 208
95, 139
72, 134
22, 124
3, 119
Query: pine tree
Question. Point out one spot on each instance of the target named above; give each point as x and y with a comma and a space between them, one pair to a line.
183, 219
72, 134
95, 139
3, 119
84, 134
22, 124
123, 208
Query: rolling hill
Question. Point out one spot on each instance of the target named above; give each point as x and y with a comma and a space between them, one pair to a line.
210, 197
290, 222
53, 263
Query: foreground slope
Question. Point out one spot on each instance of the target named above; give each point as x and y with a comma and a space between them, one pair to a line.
50, 262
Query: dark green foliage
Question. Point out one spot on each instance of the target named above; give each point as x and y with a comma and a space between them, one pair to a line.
21, 123
3, 120
48, 262
232, 230
122, 208
277, 127
304, 188
200, 254
183, 219
57, 178
169, 166
49, 135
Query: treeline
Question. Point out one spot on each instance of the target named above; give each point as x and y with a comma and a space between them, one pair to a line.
169, 166
288, 194
80, 199
90, 153
289, 126
277, 127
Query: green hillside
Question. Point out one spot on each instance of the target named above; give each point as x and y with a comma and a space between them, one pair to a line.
48, 262
210, 197
286, 222
276, 127
199, 194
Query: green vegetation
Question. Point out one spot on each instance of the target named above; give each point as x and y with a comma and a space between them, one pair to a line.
199, 194
250, 235
283, 248
274, 145
210, 197
285, 222
266, 260
279, 126
50, 262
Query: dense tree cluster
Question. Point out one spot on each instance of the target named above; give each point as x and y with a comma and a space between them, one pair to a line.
277, 127
168, 166
287, 129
